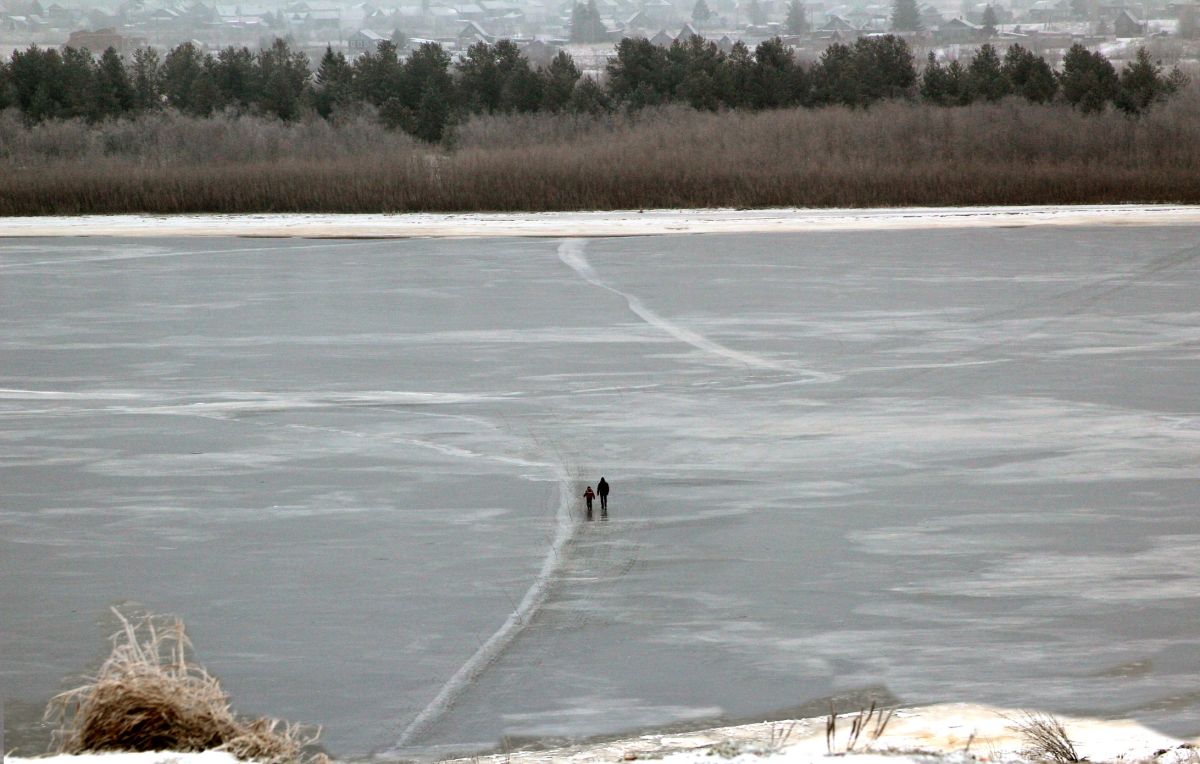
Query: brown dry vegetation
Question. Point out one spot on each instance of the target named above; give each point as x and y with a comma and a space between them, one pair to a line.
894, 154
147, 696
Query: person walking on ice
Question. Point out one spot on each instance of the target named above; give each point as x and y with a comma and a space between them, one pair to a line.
588, 495
602, 489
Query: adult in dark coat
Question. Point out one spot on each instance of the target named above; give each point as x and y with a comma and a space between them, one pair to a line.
602, 490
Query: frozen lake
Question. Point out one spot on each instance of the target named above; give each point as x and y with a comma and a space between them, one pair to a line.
940, 465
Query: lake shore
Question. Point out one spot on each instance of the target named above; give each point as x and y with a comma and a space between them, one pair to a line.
595, 224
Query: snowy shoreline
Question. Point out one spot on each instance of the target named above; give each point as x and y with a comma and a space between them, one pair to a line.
583, 224
955, 733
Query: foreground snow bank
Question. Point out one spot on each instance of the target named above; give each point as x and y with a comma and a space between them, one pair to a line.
620, 223
954, 733
950, 733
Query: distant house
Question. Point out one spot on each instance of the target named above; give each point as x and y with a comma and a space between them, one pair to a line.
1049, 11
687, 33
102, 39
364, 40
637, 23
957, 31
837, 24
471, 34
662, 39
1126, 25
931, 17
540, 52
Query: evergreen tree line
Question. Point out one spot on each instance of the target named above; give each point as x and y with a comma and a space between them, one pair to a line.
426, 93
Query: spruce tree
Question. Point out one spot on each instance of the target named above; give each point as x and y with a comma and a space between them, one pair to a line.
701, 13
586, 24
332, 87
797, 18
989, 22
905, 16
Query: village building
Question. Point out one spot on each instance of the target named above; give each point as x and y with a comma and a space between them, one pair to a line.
364, 40
957, 32
1127, 25
102, 39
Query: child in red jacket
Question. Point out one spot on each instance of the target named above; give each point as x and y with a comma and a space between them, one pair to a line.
588, 495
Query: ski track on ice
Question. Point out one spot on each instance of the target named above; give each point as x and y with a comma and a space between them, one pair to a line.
494, 647
571, 253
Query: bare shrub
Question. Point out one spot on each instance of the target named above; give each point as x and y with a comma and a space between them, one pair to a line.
894, 154
1045, 738
147, 696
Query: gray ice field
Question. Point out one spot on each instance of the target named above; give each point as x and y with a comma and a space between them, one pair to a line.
932, 465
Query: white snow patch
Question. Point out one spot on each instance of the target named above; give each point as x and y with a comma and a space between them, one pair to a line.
585, 224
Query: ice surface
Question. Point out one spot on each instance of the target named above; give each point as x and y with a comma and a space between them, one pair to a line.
942, 463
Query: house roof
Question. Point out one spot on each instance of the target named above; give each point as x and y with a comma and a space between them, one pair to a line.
958, 23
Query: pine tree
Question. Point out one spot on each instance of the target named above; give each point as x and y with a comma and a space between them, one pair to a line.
589, 98
1031, 77
429, 91
905, 16
6, 90
797, 18
560, 77
701, 13
283, 75
433, 112
78, 77
1088, 80
183, 80
114, 93
1141, 84
934, 83
233, 73
146, 79
985, 76
771, 81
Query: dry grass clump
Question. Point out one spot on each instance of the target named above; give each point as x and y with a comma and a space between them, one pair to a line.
1046, 738
147, 696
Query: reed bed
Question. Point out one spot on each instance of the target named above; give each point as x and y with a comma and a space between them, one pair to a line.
148, 696
894, 154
